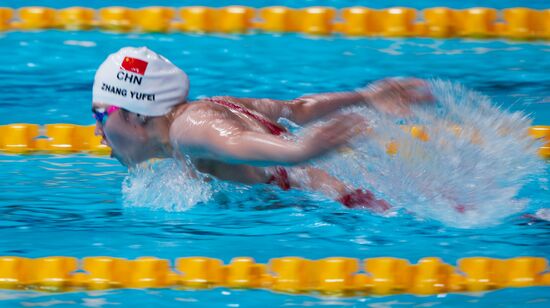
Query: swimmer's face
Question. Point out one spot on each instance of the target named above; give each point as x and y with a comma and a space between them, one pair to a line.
124, 133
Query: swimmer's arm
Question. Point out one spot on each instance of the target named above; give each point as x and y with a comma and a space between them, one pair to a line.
251, 148
391, 96
227, 141
313, 107
239, 146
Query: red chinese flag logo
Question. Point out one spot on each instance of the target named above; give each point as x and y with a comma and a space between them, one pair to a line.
134, 65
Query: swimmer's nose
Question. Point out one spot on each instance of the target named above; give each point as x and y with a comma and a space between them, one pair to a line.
98, 129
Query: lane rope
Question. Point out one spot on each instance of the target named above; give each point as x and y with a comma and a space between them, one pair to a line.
339, 276
440, 22
63, 138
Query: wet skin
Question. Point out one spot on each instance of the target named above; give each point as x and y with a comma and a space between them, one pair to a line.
232, 145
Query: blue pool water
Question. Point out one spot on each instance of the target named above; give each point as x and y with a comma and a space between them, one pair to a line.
77, 205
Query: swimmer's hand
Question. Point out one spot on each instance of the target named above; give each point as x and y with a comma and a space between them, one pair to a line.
332, 135
394, 96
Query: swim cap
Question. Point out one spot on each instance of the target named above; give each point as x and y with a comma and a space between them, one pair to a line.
141, 81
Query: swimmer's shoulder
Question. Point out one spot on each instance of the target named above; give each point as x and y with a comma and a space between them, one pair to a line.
194, 117
187, 122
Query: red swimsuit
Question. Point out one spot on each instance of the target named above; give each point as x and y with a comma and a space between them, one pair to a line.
355, 199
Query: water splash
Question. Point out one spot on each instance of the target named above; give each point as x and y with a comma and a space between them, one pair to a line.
169, 185
164, 184
467, 174
543, 214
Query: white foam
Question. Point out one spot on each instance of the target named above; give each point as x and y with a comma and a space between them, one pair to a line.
479, 170
543, 214
80, 43
166, 185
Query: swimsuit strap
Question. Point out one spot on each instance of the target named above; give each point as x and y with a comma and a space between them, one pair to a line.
273, 128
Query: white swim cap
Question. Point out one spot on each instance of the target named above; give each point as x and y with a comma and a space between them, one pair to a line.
141, 81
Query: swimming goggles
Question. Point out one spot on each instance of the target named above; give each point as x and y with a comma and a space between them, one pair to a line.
101, 114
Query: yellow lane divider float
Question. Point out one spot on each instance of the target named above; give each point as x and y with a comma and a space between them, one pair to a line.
68, 138
440, 22
51, 138
542, 132
330, 276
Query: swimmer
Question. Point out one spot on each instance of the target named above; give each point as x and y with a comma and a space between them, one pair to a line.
142, 112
